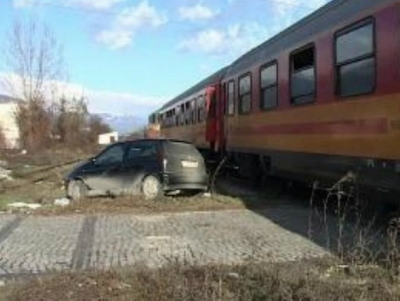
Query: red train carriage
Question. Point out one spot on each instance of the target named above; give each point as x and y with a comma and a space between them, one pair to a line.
316, 101
153, 129
194, 115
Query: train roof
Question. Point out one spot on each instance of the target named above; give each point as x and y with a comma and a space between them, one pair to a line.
212, 79
328, 16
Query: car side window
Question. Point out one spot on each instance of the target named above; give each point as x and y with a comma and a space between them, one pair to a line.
143, 149
112, 155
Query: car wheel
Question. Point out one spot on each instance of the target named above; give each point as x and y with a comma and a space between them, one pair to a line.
151, 188
76, 190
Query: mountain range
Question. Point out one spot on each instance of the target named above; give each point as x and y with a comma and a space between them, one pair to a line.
123, 124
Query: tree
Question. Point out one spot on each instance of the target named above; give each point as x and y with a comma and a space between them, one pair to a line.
34, 60
2, 139
96, 126
71, 121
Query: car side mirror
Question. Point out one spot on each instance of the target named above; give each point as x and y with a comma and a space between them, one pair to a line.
93, 160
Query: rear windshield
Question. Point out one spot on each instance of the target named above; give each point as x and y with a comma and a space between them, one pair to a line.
182, 148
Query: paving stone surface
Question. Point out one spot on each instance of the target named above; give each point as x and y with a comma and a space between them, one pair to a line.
40, 244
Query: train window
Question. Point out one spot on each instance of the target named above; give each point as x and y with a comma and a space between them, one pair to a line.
187, 113
231, 98
355, 59
167, 121
269, 86
212, 108
200, 109
303, 75
177, 116
193, 110
182, 114
245, 94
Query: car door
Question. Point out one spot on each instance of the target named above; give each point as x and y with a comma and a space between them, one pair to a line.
141, 159
106, 172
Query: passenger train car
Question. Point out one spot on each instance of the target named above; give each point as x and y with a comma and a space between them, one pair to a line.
316, 101
193, 116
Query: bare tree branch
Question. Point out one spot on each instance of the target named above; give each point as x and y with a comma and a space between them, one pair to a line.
34, 60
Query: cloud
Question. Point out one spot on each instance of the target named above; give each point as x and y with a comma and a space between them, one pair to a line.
288, 8
196, 12
95, 4
24, 3
128, 22
232, 41
99, 101
236, 39
208, 41
115, 39
84, 4
119, 103
288, 12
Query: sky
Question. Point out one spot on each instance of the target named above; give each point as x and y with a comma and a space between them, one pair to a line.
127, 57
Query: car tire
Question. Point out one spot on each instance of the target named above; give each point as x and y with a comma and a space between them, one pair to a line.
151, 188
76, 190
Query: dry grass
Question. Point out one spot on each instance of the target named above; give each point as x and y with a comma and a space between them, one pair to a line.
45, 158
138, 205
37, 178
315, 280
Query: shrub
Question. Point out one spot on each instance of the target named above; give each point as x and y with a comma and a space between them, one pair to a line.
34, 123
3, 141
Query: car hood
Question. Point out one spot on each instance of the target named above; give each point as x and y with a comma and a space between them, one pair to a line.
76, 170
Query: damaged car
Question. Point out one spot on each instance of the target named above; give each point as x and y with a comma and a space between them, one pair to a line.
150, 167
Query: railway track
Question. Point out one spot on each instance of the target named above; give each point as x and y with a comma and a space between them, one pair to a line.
342, 222
37, 175
343, 198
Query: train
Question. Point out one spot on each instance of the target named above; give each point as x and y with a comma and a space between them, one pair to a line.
317, 101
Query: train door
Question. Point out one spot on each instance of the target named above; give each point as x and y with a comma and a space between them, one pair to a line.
221, 102
211, 109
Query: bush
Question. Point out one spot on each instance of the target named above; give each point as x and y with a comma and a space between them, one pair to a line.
34, 123
67, 123
3, 142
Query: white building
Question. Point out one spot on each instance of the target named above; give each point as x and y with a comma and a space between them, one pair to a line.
108, 138
8, 123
